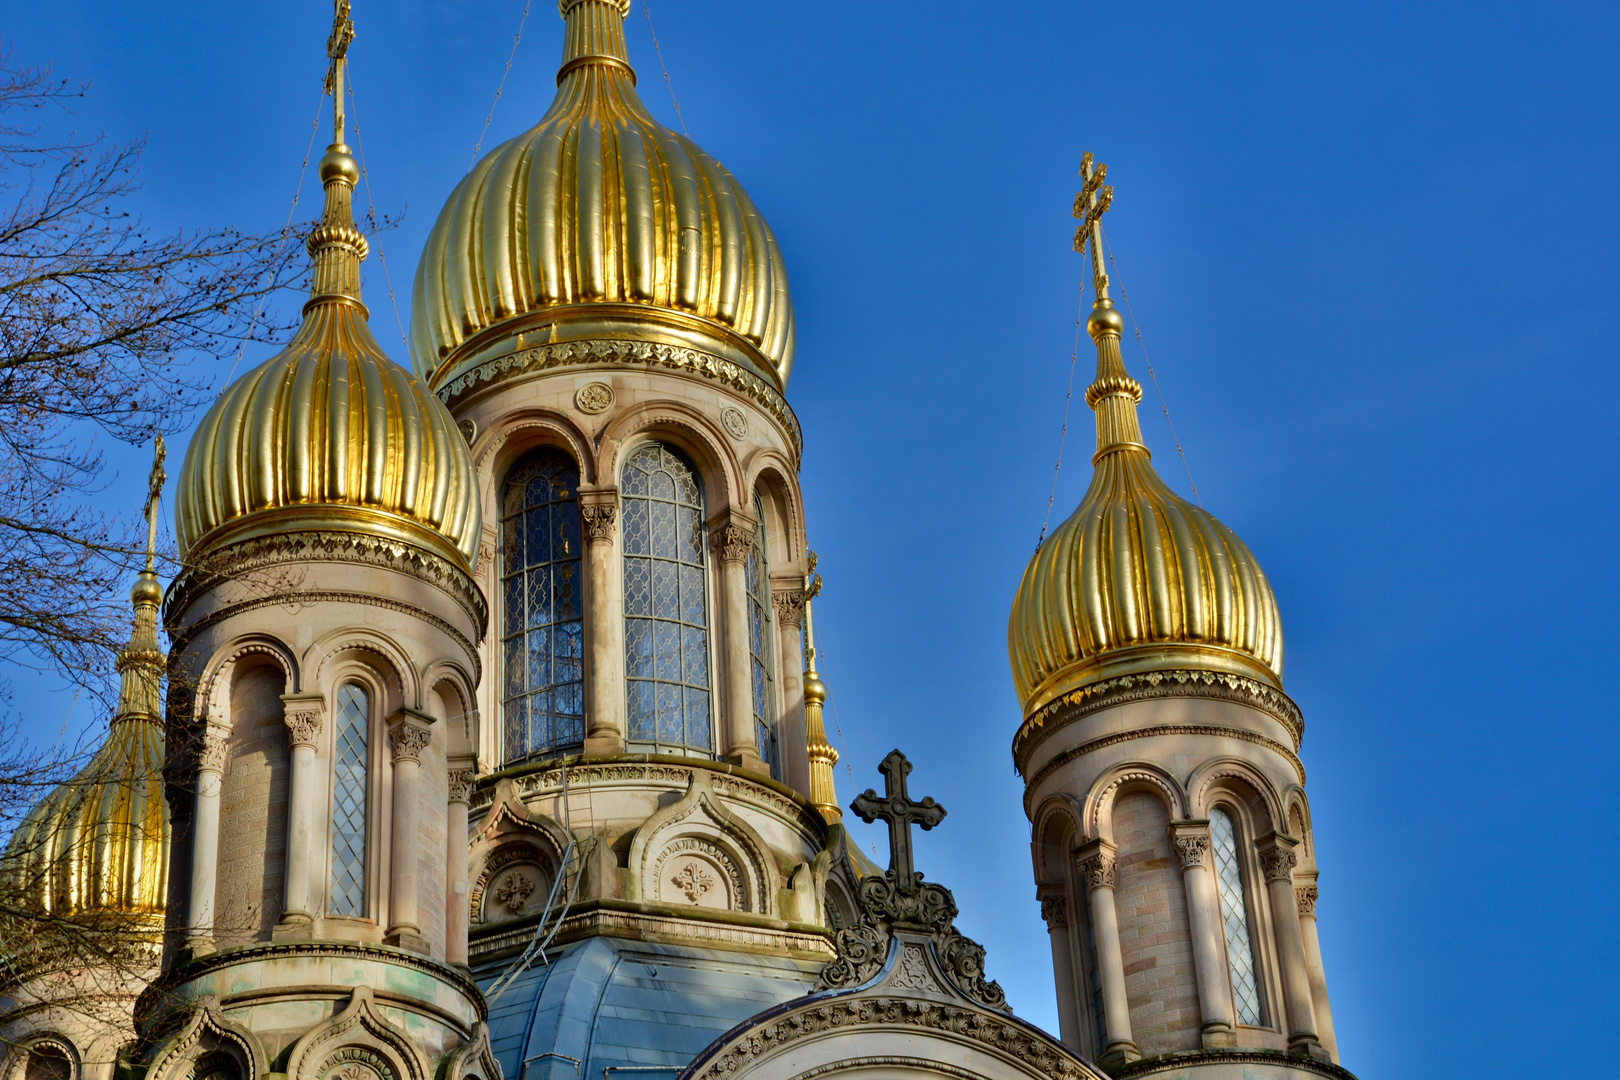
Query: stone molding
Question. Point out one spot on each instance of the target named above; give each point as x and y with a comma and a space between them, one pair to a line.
327, 546
361, 1034
304, 715
638, 925
207, 1031
1154, 685
598, 520
1185, 1063
628, 353
789, 604
1305, 896
699, 823
508, 854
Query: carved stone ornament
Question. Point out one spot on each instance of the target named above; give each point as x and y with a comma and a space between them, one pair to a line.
598, 519
693, 881
736, 423
1192, 850
514, 891
468, 429
594, 398
1305, 896
1277, 863
1055, 910
211, 755
461, 785
303, 726
1098, 870
407, 741
734, 542
789, 604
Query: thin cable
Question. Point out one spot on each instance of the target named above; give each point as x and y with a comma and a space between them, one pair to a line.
659, 50
371, 218
286, 235
871, 842
479, 145
1151, 375
1068, 399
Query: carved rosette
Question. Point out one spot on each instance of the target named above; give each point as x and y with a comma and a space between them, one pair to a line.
1192, 850
407, 741
733, 541
1277, 864
1055, 910
1305, 896
598, 520
461, 785
789, 604
1098, 870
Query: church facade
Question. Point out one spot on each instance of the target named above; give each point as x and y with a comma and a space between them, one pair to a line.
493, 745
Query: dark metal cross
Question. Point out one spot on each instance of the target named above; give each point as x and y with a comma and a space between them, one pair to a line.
900, 812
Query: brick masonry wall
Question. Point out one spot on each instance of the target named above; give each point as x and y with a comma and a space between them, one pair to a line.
1154, 937
253, 812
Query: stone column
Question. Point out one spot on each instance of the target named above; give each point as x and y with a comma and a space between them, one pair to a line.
1097, 865
303, 715
604, 625
787, 597
409, 732
1277, 860
205, 838
455, 868
733, 537
1204, 921
1306, 894
1055, 910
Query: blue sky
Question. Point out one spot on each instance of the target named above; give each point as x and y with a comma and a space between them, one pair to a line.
1371, 250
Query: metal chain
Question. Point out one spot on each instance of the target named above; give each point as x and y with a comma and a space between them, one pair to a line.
1068, 399
371, 219
479, 145
659, 50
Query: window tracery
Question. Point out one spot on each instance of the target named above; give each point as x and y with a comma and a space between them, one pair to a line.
666, 603
1235, 917
351, 764
542, 627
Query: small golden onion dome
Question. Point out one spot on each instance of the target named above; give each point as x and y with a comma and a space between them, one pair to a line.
1137, 579
99, 844
599, 222
330, 434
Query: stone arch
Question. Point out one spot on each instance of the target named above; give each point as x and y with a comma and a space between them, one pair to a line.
43, 1048
1297, 813
513, 841
213, 697
209, 1046
694, 434
358, 1036
455, 688
473, 1060
697, 852
360, 649
1056, 832
769, 474
1097, 809
1244, 782
515, 434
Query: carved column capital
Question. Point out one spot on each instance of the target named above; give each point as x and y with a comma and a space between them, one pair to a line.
733, 538
1055, 910
304, 715
598, 519
1277, 858
1097, 864
1305, 896
461, 785
409, 733
212, 749
789, 606
1192, 850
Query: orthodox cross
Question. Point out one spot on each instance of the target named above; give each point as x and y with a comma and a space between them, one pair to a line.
337, 52
154, 491
900, 812
1090, 205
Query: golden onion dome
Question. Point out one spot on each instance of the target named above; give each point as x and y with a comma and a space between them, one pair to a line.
599, 222
1137, 579
99, 844
330, 434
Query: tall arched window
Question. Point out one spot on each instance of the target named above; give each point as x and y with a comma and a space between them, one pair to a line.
542, 634
352, 762
1235, 916
759, 645
666, 602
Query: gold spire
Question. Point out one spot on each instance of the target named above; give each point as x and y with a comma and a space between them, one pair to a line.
330, 435
140, 663
823, 788
1137, 580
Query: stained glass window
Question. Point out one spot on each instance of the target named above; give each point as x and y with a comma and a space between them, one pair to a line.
666, 606
542, 634
349, 801
1235, 916
759, 646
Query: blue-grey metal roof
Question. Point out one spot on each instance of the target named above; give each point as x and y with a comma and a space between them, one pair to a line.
625, 1006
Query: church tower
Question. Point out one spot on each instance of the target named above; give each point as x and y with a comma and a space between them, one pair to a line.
1172, 844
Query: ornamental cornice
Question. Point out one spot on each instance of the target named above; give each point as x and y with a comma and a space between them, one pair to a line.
631, 353
323, 546
642, 921
1179, 1063
1156, 685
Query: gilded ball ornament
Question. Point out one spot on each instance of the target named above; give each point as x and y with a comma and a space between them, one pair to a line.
1105, 319
146, 590
338, 163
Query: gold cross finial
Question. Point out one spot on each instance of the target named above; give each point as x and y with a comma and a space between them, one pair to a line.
1090, 205
154, 491
337, 52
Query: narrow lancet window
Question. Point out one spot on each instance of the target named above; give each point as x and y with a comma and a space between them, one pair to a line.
759, 648
349, 800
542, 629
666, 605
1235, 916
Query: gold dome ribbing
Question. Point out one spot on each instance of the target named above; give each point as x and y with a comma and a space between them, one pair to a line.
99, 844
1137, 579
601, 223
330, 434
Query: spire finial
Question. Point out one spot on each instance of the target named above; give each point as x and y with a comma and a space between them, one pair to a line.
336, 246
337, 52
823, 788
154, 492
1090, 205
1114, 394
140, 663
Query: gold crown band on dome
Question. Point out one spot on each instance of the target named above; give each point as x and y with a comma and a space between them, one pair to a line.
563, 6
596, 58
